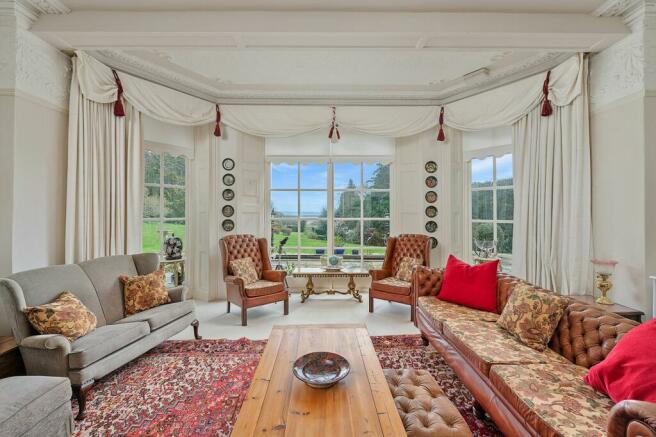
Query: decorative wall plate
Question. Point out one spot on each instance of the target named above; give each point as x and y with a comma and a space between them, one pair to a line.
431, 196
433, 242
228, 194
228, 164
431, 226
431, 166
228, 225
431, 211
228, 179
228, 211
431, 182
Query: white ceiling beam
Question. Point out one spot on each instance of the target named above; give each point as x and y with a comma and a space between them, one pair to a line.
565, 32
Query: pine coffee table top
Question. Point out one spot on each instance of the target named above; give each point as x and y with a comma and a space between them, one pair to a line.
278, 404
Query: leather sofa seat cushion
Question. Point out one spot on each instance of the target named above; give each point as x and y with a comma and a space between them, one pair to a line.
27, 400
161, 315
422, 405
553, 398
484, 344
392, 285
263, 288
104, 341
441, 311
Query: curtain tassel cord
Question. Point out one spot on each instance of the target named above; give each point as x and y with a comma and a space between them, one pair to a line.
119, 110
547, 110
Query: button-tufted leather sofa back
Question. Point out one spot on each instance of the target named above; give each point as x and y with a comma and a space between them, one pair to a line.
243, 246
411, 245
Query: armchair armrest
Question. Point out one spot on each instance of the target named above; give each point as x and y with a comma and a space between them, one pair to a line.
47, 342
178, 294
632, 419
377, 275
274, 275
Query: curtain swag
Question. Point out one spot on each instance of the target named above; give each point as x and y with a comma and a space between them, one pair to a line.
501, 106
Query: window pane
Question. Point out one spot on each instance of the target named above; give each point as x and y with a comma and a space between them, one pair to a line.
504, 237
314, 233
376, 205
377, 176
347, 204
281, 229
284, 175
150, 237
176, 228
314, 204
481, 171
151, 202
505, 170
347, 233
284, 203
505, 204
174, 170
151, 167
482, 233
346, 175
174, 202
376, 233
314, 176
482, 205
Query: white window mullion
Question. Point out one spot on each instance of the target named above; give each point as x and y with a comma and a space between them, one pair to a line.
330, 216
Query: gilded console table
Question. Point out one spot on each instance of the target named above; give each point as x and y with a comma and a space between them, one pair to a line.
316, 272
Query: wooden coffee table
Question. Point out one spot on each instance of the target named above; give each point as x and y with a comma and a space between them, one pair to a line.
318, 272
278, 404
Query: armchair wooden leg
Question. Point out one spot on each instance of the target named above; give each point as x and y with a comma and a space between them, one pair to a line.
412, 313
286, 310
371, 303
228, 306
244, 316
80, 392
195, 324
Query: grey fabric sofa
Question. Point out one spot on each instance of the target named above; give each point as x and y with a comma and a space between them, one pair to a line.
115, 341
35, 406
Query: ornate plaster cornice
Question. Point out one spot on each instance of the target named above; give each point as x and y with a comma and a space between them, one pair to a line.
615, 8
45, 7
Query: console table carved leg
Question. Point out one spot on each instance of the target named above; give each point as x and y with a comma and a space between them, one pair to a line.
354, 291
309, 289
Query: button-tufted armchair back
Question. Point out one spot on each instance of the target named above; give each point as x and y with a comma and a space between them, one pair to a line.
243, 246
411, 245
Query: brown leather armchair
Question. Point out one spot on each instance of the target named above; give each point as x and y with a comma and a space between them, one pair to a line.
270, 286
384, 285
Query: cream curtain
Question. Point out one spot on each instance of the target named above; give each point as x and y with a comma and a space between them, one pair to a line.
552, 241
104, 187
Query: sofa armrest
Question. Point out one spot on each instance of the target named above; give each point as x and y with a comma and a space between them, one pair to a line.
632, 419
377, 275
274, 275
426, 281
178, 294
47, 342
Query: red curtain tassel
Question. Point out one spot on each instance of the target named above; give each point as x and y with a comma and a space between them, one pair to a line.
332, 129
119, 110
217, 128
547, 109
440, 133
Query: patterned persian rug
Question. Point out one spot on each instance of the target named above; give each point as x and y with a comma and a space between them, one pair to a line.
195, 388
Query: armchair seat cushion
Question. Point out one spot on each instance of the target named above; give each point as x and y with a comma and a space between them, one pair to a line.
263, 288
25, 401
161, 315
392, 285
104, 341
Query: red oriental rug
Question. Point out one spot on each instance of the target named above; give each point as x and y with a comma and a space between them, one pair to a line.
195, 388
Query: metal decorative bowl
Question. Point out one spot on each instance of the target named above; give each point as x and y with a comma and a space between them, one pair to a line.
321, 369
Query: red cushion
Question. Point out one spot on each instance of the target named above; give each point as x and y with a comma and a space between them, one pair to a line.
628, 370
471, 286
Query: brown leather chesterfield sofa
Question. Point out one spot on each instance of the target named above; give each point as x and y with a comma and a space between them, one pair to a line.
527, 392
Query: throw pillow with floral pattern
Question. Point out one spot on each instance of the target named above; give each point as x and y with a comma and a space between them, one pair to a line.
66, 316
141, 293
404, 273
532, 316
244, 268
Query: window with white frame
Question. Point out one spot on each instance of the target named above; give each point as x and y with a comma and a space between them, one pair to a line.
322, 208
492, 203
165, 199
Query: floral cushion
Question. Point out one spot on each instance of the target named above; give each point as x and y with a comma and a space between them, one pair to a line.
554, 396
244, 268
66, 316
392, 285
485, 344
141, 293
262, 288
441, 311
404, 273
532, 315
